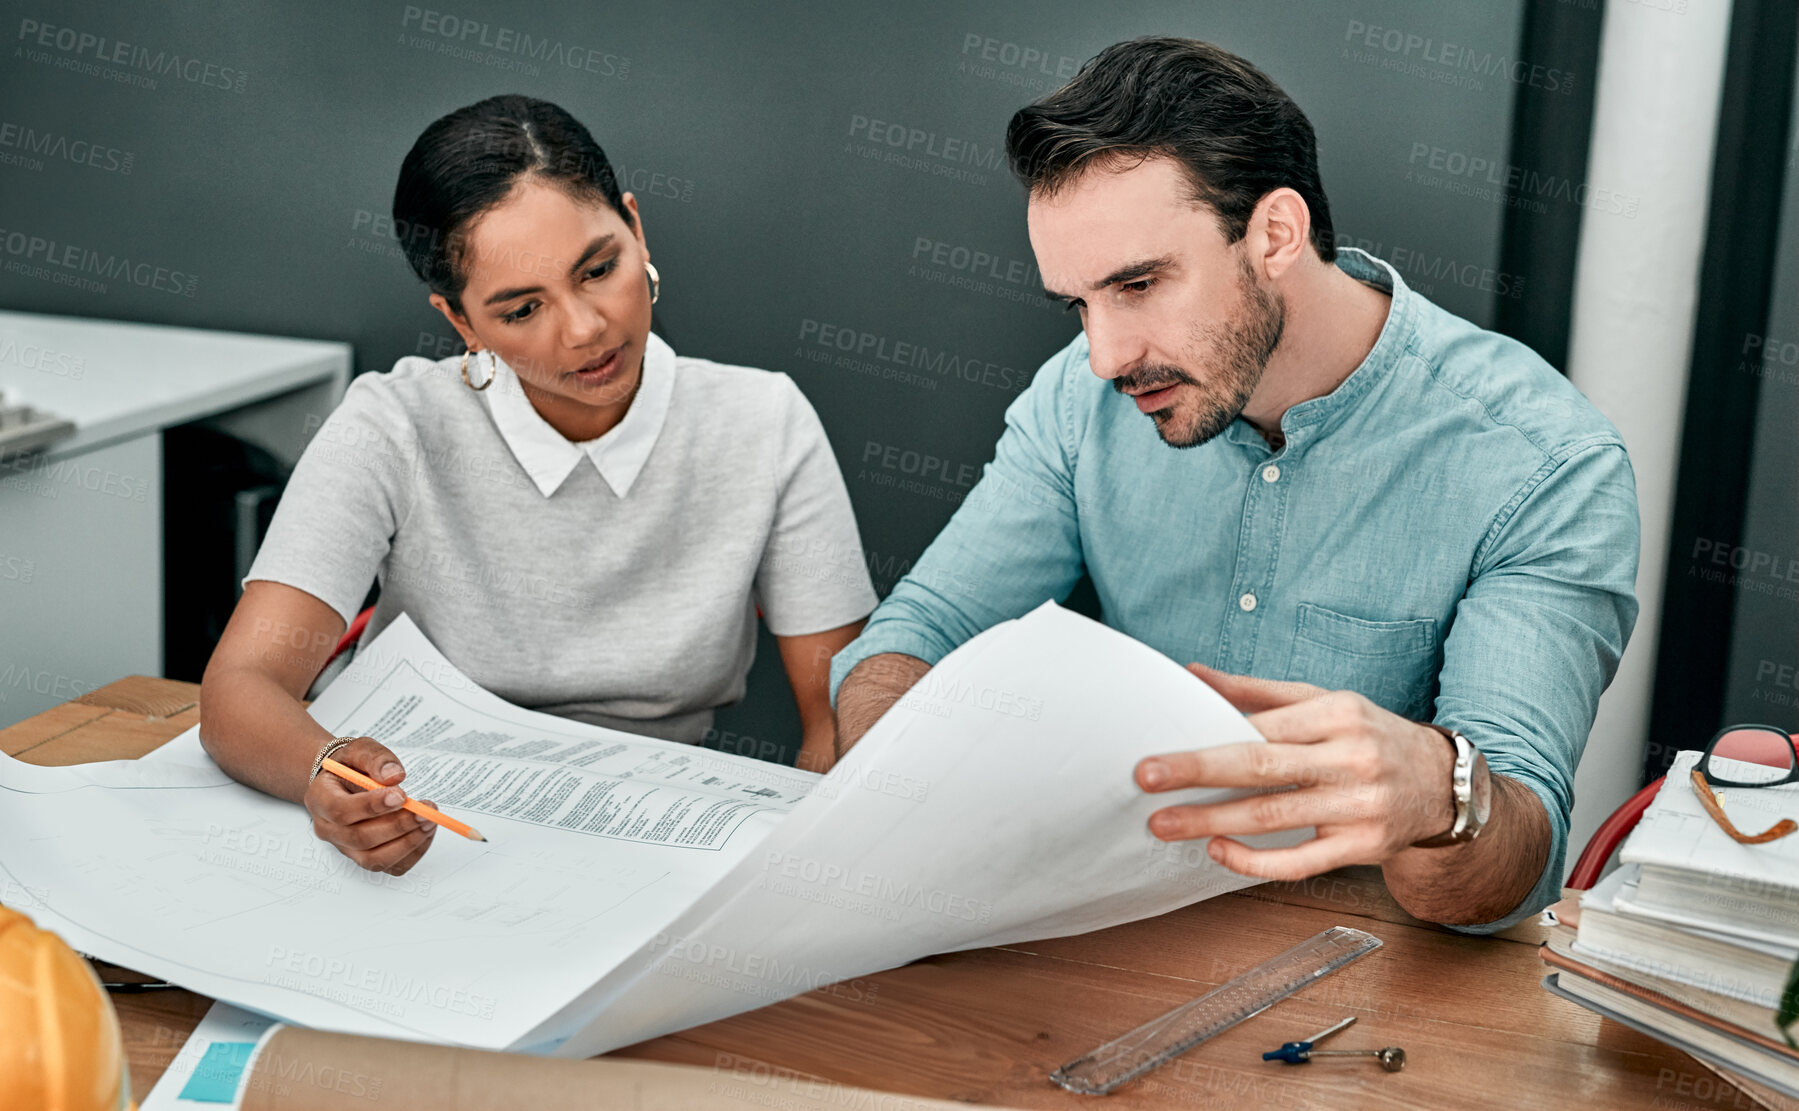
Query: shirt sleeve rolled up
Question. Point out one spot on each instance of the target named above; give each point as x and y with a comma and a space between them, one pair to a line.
1539, 633
1012, 544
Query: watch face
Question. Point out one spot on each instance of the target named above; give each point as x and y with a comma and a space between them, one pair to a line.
1482, 801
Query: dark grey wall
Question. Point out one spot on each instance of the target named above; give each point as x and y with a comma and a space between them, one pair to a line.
259, 165
1764, 651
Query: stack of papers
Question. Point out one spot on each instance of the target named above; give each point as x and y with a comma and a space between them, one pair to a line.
1693, 937
631, 887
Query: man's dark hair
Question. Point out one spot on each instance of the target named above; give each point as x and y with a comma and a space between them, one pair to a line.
1236, 133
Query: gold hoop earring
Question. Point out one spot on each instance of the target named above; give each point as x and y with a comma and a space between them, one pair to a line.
655, 281
491, 371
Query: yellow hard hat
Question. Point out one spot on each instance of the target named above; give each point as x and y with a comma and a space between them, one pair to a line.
60, 1048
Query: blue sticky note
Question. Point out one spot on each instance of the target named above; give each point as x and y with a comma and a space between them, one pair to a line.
215, 1078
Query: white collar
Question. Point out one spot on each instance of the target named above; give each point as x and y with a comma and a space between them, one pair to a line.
619, 455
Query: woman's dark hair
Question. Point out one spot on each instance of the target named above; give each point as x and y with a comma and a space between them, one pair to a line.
1236, 133
468, 161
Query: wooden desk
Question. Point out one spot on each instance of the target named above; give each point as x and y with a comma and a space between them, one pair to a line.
988, 1026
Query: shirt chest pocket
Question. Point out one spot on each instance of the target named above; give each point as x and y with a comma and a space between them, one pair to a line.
1391, 663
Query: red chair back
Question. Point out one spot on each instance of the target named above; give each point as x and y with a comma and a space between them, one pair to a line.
350, 637
1605, 839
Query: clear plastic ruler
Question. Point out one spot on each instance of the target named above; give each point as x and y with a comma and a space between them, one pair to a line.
1162, 1039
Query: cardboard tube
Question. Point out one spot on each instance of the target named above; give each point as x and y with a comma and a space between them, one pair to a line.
310, 1070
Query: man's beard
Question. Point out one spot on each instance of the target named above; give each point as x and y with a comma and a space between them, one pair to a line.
1239, 348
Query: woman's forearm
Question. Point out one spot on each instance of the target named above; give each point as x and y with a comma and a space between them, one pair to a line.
252, 722
257, 732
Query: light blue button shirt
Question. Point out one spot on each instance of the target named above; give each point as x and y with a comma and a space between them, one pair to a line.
1452, 532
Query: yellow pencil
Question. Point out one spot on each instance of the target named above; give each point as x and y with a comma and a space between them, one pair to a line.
343, 771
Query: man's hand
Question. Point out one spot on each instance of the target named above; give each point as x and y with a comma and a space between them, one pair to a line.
1370, 782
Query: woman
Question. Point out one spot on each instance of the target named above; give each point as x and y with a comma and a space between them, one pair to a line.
582, 521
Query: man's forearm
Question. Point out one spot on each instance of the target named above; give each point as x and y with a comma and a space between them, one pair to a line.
1483, 880
867, 691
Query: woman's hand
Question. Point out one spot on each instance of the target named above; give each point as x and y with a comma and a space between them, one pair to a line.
369, 827
818, 750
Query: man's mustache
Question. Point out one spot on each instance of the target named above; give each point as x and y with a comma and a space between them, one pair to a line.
1157, 377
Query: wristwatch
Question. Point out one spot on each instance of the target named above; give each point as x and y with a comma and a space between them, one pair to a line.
1471, 785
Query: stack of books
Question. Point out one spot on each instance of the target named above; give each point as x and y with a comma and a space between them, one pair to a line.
1693, 937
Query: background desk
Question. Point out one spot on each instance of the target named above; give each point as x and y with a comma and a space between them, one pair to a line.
988, 1026
81, 536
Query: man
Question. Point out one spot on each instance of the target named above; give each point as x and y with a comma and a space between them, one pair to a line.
1273, 457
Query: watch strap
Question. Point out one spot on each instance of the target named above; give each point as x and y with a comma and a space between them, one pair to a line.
1461, 785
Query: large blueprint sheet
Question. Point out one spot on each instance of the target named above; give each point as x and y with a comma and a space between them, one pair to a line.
633, 887
596, 839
